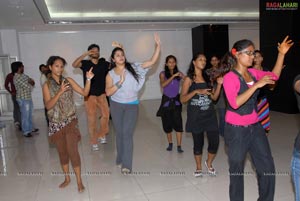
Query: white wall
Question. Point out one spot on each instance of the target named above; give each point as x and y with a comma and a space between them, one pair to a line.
243, 31
36, 47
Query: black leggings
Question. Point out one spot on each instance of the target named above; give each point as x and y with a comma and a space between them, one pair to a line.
213, 142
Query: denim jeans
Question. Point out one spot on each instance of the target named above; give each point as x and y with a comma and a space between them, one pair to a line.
253, 140
26, 107
295, 168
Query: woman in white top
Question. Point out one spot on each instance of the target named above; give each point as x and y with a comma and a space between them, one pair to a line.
123, 83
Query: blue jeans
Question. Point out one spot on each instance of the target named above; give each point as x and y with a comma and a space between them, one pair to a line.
295, 168
26, 107
252, 140
221, 118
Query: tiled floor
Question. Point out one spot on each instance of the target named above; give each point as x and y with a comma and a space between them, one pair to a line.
30, 167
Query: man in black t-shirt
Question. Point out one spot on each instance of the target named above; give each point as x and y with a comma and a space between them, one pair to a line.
96, 100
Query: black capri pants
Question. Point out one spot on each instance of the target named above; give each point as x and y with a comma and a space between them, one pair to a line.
172, 120
213, 142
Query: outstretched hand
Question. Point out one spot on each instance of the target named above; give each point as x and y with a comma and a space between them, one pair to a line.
117, 44
267, 79
285, 45
90, 73
157, 39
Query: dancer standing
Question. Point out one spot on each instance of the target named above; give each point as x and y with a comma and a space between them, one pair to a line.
201, 114
96, 100
243, 131
170, 108
123, 82
63, 122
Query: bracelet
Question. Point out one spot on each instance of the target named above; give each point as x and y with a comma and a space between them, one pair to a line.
88, 79
118, 85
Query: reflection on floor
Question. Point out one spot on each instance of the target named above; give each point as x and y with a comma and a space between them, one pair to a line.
30, 170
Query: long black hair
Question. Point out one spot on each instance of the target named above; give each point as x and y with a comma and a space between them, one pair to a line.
52, 59
127, 64
167, 70
229, 61
191, 71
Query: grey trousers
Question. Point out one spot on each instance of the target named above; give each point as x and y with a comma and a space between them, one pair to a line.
124, 117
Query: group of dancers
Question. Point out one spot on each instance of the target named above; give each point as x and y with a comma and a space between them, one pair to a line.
236, 82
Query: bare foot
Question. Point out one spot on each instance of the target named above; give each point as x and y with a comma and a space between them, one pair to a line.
81, 188
65, 183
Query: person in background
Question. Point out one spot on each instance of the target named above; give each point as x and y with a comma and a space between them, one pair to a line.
44, 72
220, 104
10, 87
123, 82
170, 108
198, 92
24, 84
96, 100
262, 101
243, 131
44, 77
63, 122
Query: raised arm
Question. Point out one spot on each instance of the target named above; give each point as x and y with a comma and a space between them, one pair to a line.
155, 55
77, 63
83, 91
283, 48
164, 83
216, 91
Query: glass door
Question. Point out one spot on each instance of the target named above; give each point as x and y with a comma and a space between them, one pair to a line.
6, 105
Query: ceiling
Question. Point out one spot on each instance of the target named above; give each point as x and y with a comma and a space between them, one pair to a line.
68, 15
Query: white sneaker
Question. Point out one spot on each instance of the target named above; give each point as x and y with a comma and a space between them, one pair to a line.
102, 140
17, 124
95, 147
125, 171
198, 173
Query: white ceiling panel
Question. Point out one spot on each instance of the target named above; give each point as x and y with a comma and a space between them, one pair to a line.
123, 14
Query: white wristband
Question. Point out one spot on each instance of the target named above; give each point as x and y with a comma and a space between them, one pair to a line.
88, 79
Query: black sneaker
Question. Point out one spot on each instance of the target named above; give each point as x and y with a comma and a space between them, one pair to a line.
35, 130
179, 150
170, 147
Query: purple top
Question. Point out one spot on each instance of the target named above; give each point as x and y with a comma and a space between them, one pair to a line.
171, 90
